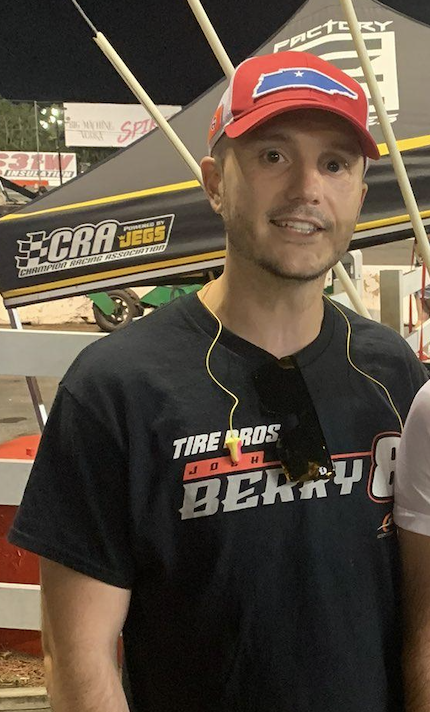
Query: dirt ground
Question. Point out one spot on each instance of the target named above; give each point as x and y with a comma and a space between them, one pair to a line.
19, 670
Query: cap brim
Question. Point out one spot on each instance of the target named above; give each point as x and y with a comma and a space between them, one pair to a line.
262, 113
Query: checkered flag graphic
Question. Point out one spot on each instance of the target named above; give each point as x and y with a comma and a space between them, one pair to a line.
32, 250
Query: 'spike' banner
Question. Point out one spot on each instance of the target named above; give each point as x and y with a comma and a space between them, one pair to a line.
92, 247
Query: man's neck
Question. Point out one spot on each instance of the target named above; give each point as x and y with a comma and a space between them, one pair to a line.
279, 316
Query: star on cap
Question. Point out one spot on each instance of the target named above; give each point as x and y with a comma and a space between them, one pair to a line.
298, 73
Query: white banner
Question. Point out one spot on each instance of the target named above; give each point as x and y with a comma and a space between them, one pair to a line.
31, 168
115, 125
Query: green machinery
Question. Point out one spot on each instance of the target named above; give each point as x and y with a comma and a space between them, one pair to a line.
117, 307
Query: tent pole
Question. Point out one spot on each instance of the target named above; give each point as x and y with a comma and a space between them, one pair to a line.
36, 126
212, 37
396, 158
33, 386
103, 43
351, 290
147, 102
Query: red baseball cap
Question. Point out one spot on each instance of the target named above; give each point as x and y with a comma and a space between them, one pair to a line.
271, 84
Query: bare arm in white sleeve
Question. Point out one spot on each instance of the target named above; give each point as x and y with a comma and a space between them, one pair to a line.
412, 481
412, 515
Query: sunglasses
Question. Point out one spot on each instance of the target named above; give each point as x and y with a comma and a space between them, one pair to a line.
301, 446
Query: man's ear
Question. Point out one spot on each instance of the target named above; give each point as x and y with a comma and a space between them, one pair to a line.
212, 181
364, 190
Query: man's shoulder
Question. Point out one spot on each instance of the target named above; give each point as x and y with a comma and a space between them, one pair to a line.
374, 336
149, 332
387, 353
137, 348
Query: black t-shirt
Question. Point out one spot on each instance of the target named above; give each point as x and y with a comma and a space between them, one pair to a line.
249, 594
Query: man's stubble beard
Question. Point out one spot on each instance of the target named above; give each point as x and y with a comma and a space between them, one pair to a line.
241, 239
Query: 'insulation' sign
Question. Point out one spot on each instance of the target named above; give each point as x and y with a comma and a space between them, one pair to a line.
30, 167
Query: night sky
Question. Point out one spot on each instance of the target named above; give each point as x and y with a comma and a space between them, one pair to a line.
47, 52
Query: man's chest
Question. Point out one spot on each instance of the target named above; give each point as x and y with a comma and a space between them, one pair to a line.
194, 478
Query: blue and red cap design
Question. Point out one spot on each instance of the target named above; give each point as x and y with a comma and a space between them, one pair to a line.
268, 85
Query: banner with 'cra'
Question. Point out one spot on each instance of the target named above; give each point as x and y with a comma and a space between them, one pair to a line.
93, 247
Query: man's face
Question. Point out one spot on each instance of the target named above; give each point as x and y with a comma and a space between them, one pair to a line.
290, 192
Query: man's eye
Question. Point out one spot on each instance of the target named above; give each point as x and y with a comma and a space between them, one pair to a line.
273, 156
336, 166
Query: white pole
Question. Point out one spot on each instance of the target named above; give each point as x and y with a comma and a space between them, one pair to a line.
36, 126
396, 158
350, 289
212, 37
32, 383
147, 102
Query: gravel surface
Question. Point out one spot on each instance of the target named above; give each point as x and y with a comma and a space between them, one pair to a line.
19, 670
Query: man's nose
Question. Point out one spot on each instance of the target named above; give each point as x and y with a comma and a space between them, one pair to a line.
305, 183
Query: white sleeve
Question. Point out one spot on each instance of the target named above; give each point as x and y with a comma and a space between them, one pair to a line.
412, 479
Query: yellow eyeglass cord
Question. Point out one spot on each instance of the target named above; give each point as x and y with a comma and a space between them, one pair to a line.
233, 442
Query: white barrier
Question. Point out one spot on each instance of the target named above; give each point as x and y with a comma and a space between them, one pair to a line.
40, 353
13, 479
20, 606
30, 353
395, 285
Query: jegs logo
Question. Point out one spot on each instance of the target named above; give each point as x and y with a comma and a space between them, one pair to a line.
89, 244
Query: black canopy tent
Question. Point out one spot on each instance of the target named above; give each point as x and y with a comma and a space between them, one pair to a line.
140, 217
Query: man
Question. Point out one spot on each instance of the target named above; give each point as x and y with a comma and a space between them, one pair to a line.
184, 490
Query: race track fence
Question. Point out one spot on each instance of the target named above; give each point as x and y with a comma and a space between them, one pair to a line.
395, 286
30, 353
